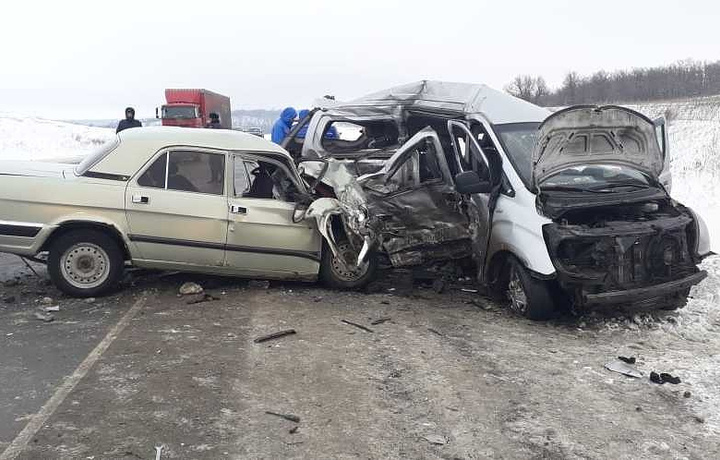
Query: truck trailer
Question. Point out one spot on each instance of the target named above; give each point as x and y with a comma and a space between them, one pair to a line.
191, 108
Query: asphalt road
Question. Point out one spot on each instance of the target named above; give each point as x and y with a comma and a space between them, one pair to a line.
441, 376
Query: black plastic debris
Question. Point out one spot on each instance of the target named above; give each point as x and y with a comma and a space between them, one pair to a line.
663, 378
630, 360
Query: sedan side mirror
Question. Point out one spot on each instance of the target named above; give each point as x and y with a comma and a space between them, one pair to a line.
469, 182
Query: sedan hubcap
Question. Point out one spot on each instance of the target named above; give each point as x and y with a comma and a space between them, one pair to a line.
85, 265
348, 271
516, 293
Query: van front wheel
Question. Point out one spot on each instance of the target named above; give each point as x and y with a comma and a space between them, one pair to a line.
528, 296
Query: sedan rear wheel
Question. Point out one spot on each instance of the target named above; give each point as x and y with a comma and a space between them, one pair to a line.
85, 263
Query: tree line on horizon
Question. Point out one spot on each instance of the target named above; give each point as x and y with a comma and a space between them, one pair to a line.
679, 80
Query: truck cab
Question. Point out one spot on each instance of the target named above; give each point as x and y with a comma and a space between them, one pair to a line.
191, 108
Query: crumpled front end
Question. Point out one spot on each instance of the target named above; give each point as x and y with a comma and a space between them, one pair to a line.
640, 260
411, 229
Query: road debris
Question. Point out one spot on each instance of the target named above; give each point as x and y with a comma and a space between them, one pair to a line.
158, 451
687, 394
436, 439
630, 360
290, 417
294, 429
199, 298
274, 335
90, 300
46, 300
471, 291
435, 332
663, 378
52, 308
359, 326
624, 368
42, 316
380, 321
190, 288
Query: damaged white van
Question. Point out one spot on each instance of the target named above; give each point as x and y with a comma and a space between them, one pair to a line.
565, 207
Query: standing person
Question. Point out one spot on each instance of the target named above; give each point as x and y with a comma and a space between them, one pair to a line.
214, 121
281, 128
129, 121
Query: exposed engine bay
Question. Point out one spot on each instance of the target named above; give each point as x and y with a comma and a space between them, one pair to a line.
622, 248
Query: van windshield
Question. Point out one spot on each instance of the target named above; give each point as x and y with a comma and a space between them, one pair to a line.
518, 141
95, 157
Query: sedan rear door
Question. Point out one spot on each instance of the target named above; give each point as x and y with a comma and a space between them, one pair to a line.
177, 208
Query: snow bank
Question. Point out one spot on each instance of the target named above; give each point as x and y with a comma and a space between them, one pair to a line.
29, 138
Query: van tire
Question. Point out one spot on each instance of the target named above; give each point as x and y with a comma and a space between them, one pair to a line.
333, 275
528, 296
85, 263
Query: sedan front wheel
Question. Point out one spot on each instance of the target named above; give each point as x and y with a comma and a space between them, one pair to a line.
346, 274
85, 263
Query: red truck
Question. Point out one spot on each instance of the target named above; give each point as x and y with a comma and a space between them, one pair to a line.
192, 108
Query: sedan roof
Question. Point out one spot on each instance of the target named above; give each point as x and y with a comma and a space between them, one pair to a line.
467, 98
138, 145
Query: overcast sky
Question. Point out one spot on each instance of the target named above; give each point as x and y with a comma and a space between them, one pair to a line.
89, 59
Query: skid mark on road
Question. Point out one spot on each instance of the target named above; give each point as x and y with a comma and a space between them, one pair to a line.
39, 419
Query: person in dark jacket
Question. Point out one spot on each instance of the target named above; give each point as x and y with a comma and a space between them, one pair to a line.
214, 121
281, 128
129, 121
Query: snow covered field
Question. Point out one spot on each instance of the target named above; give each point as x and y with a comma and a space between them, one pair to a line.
29, 138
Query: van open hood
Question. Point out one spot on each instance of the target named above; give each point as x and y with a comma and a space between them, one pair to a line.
591, 134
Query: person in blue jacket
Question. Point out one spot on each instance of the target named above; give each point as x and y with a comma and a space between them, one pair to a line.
330, 134
281, 128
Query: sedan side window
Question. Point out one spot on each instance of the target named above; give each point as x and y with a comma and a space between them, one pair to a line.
198, 172
262, 179
154, 176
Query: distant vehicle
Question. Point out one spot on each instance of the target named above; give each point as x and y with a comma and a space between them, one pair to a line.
255, 131
151, 198
191, 108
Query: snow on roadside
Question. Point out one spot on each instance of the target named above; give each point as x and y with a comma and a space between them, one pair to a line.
30, 138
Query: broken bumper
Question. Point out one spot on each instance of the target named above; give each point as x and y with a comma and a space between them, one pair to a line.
645, 293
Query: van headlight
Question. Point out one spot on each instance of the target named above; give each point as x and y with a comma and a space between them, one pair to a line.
702, 236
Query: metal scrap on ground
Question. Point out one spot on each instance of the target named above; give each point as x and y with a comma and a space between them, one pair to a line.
290, 417
359, 326
275, 335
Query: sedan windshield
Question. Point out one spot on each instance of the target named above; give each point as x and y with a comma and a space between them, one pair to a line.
518, 140
95, 157
179, 111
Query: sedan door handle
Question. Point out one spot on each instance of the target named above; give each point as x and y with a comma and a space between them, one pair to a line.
235, 209
140, 199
